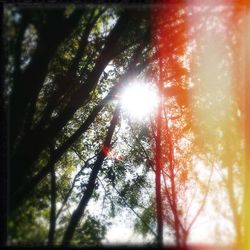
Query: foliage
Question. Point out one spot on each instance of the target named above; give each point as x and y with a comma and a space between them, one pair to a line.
65, 70
90, 233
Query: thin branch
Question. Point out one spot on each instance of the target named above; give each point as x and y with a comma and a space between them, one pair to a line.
189, 205
143, 149
203, 202
125, 202
105, 191
73, 185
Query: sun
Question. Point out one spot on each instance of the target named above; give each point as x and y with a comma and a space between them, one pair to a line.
139, 100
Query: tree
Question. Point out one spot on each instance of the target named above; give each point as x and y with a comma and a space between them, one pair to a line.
47, 109
71, 143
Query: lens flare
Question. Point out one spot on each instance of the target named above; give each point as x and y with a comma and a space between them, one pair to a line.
139, 100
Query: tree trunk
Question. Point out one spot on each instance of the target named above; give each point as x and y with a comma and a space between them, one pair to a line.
78, 213
159, 215
52, 226
174, 196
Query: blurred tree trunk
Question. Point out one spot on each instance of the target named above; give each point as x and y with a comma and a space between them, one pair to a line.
27, 86
52, 225
246, 203
173, 189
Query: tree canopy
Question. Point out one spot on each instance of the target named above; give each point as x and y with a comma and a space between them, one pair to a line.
77, 156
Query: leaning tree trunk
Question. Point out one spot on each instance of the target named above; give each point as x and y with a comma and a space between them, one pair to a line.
78, 213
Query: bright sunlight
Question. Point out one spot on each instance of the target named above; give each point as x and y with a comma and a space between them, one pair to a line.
139, 100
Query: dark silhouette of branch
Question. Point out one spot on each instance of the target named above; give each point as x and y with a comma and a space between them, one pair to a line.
138, 216
84, 39
66, 90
